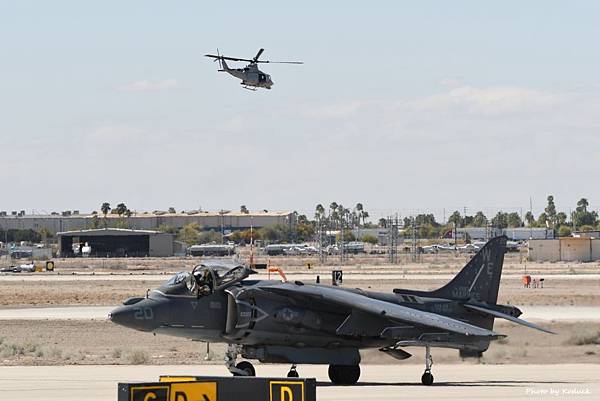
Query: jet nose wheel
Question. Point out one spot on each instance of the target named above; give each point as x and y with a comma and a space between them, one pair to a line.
427, 378
293, 372
245, 367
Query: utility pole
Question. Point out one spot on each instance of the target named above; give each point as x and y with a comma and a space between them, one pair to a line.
531, 213
320, 233
392, 226
414, 240
221, 213
342, 238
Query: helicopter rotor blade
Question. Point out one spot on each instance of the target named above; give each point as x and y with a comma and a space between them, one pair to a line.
227, 58
280, 62
255, 59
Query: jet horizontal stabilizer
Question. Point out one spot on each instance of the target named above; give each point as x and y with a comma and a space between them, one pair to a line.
501, 315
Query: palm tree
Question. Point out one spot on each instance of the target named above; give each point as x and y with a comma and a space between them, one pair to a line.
121, 209
105, 208
333, 214
364, 215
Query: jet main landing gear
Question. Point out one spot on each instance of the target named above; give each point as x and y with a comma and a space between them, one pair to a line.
344, 374
244, 368
427, 378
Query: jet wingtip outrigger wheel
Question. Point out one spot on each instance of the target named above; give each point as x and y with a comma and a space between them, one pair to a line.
427, 378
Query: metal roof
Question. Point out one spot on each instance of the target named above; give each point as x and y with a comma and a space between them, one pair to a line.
151, 214
110, 231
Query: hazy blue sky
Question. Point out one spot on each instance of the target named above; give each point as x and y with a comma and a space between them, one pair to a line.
404, 106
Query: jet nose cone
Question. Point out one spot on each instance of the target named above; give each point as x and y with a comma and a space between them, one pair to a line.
144, 315
121, 315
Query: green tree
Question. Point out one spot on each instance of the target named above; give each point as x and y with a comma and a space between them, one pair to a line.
348, 236
370, 239
172, 210
455, 218
582, 205
165, 228
105, 208
207, 237
426, 219
276, 233
582, 216
513, 220
333, 214
530, 219
244, 209
480, 220
564, 231
382, 223
551, 211
189, 233
561, 219
319, 212
500, 220
121, 209
542, 220
94, 221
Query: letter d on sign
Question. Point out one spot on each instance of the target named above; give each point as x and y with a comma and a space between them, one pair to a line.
180, 396
286, 394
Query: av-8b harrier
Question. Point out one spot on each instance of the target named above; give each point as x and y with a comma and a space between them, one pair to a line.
296, 322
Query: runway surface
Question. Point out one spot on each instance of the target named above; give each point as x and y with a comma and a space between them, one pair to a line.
540, 313
378, 382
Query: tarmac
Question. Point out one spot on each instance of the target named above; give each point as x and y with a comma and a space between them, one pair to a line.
532, 312
378, 382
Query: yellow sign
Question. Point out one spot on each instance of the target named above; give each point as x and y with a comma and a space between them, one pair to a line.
196, 391
175, 379
149, 393
286, 391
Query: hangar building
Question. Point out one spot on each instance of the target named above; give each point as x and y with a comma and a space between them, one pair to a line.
565, 249
217, 221
115, 242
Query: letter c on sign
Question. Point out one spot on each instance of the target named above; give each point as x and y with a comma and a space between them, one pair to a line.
150, 396
286, 394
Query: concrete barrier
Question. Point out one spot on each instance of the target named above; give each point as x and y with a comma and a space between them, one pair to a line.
219, 388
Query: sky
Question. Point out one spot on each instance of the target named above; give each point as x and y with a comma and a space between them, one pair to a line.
406, 107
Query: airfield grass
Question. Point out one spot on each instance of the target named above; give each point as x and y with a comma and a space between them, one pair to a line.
578, 291
73, 342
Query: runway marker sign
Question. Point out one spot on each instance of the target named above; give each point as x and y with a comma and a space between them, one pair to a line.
286, 391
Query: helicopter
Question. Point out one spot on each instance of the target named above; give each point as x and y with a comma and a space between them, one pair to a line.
252, 78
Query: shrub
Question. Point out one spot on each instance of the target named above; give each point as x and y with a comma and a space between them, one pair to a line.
589, 338
137, 357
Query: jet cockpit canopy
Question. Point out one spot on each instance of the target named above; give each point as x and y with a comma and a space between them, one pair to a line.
212, 276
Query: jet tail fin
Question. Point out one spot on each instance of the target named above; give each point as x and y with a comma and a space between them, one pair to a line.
479, 280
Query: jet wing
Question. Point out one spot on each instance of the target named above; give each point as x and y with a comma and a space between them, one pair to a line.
377, 307
507, 317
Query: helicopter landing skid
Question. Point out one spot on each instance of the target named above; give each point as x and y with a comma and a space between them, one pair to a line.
250, 88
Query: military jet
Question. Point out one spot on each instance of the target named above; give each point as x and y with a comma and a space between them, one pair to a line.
309, 323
